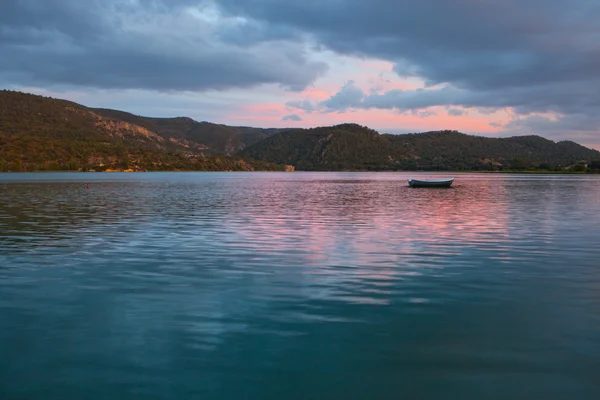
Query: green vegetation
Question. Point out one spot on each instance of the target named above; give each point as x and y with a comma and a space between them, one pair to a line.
44, 134
353, 147
346, 146
209, 138
594, 166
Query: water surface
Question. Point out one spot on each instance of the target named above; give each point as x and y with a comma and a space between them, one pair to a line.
298, 286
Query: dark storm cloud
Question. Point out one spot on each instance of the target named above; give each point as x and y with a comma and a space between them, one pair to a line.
164, 45
531, 54
560, 97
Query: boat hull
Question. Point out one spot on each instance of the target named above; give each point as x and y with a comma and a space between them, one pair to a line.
440, 183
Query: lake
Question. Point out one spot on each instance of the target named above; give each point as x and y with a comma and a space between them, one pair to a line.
299, 286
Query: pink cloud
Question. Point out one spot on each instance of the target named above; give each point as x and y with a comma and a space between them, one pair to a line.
314, 95
387, 121
271, 114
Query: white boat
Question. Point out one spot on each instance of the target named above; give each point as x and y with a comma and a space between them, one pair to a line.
431, 183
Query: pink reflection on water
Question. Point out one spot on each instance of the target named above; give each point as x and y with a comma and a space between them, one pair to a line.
366, 234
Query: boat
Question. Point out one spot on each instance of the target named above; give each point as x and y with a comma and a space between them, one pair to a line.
437, 183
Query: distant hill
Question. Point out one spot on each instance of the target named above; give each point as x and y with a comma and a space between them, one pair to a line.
346, 146
351, 146
42, 133
205, 136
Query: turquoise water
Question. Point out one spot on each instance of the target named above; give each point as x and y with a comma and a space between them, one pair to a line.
298, 286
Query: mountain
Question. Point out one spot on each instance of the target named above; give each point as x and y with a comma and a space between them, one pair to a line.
204, 136
354, 147
346, 146
41, 133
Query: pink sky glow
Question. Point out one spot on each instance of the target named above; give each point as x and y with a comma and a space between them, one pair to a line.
267, 105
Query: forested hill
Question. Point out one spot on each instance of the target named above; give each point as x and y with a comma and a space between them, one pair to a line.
354, 147
41, 133
212, 138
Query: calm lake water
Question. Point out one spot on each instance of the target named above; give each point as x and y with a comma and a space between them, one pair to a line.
298, 286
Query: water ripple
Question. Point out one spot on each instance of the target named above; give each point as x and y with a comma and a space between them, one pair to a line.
304, 285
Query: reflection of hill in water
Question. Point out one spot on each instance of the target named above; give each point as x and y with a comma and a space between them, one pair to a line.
65, 215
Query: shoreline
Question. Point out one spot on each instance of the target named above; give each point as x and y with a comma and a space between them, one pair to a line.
385, 171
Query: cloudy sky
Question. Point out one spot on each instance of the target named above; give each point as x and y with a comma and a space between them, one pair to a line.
490, 67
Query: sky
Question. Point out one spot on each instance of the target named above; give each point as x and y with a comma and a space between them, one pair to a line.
488, 67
